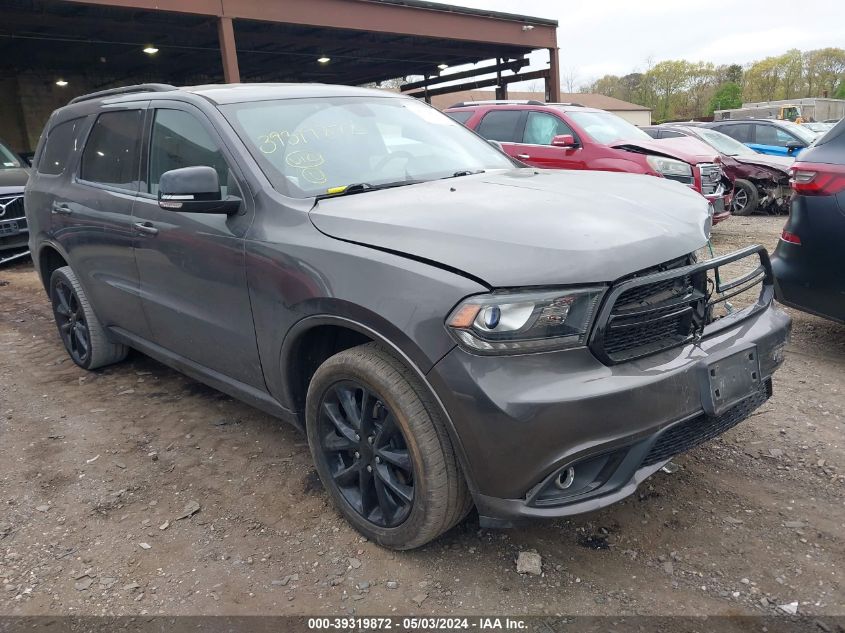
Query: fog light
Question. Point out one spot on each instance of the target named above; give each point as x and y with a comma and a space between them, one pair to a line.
565, 478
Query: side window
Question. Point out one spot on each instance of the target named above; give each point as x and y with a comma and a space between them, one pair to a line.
61, 143
670, 134
460, 117
541, 128
111, 153
740, 131
653, 132
771, 135
501, 125
179, 140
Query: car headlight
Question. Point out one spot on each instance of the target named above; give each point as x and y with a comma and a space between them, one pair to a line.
669, 167
525, 321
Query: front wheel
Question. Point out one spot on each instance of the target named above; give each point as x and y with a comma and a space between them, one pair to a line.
381, 449
83, 335
745, 198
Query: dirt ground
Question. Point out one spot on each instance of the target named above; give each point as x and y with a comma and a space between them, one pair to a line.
96, 468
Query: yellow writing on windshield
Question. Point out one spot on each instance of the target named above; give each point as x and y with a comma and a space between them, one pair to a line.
271, 142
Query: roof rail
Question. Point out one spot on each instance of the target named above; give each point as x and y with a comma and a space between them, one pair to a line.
124, 90
570, 103
466, 104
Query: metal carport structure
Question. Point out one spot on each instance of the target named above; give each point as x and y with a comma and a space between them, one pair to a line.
94, 44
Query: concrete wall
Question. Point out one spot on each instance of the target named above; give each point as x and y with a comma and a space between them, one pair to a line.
28, 100
637, 117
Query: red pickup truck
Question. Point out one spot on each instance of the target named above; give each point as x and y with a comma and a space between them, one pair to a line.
570, 136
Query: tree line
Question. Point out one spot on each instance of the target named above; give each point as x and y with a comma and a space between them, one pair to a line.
679, 89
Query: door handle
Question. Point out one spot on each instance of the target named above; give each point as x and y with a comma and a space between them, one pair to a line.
60, 209
146, 227
523, 156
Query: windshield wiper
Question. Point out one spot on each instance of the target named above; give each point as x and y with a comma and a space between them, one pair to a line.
362, 187
465, 172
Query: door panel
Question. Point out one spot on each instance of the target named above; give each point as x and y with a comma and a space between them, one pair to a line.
95, 227
191, 265
536, 148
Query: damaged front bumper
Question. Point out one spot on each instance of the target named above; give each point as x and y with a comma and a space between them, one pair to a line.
560, 433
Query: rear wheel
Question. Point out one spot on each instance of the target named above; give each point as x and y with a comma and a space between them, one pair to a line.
745, 198
83, 336
381, 449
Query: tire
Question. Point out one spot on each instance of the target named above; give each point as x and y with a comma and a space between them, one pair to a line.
400, 421
81, 332
745, 198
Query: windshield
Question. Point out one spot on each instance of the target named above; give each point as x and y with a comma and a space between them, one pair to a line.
800, 131
311, 147
8, 160
723, 143
606, 128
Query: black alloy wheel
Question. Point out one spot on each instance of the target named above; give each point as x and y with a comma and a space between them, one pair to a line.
366, 453
70, 318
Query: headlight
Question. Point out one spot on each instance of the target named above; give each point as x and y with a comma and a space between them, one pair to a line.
669, 167
525, 321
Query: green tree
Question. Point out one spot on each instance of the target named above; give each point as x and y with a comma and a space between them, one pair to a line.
727, 96
670, 78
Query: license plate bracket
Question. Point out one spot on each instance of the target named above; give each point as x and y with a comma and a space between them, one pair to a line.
728, 379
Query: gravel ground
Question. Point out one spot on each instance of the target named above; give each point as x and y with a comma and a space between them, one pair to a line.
97, 468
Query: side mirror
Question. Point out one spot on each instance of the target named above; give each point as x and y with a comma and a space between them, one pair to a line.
564, 140
194, 190
794, 146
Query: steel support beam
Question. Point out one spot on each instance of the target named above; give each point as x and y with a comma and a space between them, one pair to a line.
228, 50
553, 80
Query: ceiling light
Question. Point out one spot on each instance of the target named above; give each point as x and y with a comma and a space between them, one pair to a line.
61, 83
324, 60
443, 66
151, 50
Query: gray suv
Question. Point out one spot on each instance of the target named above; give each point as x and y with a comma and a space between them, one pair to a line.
451, 329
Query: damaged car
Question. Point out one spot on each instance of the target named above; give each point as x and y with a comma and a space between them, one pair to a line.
760, 181
450, 329
571, 136
14, 234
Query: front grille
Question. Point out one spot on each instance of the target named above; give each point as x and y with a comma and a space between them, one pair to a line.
687, 435
668, 305
711, 178
11, 208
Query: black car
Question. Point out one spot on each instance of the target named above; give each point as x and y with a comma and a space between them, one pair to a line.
14, 234
449, 328
809, 261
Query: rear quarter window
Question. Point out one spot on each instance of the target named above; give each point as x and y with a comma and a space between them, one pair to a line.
60, 146
460, 117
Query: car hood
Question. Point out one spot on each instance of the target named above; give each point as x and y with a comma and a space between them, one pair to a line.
685, 148
527, 227
13, 180
782, 163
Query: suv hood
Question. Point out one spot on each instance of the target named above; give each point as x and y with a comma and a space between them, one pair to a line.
685, 148
527, 227
13, 180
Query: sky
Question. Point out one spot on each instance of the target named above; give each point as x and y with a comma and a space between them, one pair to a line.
619, 36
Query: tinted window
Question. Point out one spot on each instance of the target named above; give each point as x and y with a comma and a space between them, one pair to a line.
501, 125
651, 131
179, 140
460, 117
741, 131
541, 128
771, 135
61, 142
111, 153
670, 134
